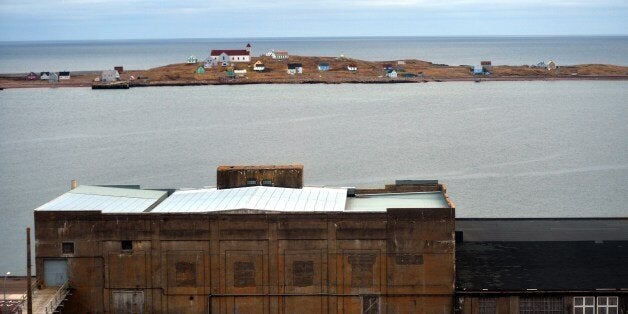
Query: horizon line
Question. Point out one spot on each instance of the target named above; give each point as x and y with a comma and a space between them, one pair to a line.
316, 37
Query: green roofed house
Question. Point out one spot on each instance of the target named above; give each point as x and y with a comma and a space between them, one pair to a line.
200, 70
230, 72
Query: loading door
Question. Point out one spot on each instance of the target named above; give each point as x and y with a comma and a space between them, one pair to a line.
128, 302
55, 272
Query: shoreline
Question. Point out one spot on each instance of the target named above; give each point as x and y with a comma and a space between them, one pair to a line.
369, 72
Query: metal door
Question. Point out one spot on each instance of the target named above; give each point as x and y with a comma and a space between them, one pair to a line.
55, 272
128, 302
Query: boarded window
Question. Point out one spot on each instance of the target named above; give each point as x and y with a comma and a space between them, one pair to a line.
370, 304
67, 247
486, 306
362, 270
409, 259
185, 274
303, 273
244, 274
540, 305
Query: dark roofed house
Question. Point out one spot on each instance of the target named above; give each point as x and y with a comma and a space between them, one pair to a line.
486, 66
295, 68
542, 265
31, 76
64, 75
44, 76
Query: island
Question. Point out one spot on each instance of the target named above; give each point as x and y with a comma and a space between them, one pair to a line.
323, 70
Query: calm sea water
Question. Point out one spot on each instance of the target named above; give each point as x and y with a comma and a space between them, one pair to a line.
504, 149
20, 57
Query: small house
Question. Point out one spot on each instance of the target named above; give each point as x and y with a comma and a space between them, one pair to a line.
230, 73
295, 68
109, 76
387, 67
259, 66
191, 60
209, 63
31, 76
239, 72
401, 62
352, 68
200, 69
323, 66
119, 68
551, 65
391, 74
64, 75
44, 76
486, 66
279, 55
477, 70
53, 77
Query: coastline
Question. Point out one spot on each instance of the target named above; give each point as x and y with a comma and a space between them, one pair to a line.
369, 72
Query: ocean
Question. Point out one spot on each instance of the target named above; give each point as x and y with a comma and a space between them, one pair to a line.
23, 57
504, 149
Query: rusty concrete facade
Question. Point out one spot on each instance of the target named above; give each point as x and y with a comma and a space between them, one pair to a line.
398, 261
289, 176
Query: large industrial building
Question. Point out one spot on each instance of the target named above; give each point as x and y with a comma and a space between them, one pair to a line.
259, 242
262, 242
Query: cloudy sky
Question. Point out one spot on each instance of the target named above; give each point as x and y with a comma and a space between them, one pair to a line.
139, 19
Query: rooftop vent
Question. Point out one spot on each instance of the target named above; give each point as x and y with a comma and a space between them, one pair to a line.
416, 182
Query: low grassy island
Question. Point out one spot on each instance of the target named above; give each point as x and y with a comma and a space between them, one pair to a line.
327, 70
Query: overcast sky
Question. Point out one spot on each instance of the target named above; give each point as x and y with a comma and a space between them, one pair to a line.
139, 19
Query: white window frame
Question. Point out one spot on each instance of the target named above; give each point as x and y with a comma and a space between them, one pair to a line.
607, 306
584, 305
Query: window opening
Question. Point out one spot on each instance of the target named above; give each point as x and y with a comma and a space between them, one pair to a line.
67, 247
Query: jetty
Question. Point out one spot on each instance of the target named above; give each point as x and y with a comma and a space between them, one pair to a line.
111, 85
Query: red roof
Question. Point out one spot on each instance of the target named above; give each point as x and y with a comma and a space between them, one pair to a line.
218, 52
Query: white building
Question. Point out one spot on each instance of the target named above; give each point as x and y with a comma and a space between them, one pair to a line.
224, 57
259, 66
44, 76
352, 68
109, 76
279, 55
64, 75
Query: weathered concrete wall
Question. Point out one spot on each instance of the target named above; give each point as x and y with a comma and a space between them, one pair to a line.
401, 261
288, 176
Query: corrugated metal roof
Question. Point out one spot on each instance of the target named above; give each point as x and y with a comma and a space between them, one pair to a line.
380, 202
276, 199
105, 199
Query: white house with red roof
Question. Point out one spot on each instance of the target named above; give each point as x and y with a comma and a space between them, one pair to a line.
226, 56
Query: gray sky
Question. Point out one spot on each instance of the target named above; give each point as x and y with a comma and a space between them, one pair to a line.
139, 19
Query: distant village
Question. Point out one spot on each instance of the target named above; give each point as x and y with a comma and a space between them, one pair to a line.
239, 66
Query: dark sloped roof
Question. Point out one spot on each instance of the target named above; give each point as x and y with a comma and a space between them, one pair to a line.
543, 229
217, 52
517, 266
294, 65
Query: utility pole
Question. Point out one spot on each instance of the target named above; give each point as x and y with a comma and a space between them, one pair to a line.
29, 289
